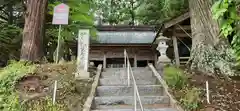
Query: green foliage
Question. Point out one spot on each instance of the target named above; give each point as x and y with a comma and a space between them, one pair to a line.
175, 77
10, 38
143, 11
191, 99
9, 100
158, 11
80, 11
188, 97
43, 104
81, 16
8, 9
227, 13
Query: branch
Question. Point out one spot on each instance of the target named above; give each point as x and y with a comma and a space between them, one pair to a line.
3, 6
24, 3
3, 18
5, 12
6, 3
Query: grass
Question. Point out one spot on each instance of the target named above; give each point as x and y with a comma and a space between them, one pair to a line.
188, 97
71, 93
9, 100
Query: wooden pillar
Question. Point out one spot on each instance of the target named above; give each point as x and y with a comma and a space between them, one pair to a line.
135, 59
155, 59
104, 61
175, 45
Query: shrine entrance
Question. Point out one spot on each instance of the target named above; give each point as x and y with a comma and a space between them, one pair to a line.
118, 62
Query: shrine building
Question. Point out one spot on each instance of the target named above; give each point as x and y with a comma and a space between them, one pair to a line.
108, 47
140, 43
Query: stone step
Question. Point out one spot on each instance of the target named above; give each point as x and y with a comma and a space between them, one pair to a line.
145, 90
123, 74
128, 100
123, 81
148, 106
160, 109
125, 69
133, 68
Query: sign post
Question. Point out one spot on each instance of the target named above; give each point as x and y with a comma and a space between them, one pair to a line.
60, 17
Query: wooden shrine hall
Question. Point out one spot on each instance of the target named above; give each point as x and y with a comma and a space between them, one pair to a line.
108, 48
140, 43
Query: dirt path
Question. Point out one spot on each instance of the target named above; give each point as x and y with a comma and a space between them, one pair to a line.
224, 94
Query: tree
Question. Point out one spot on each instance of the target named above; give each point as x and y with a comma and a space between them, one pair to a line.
227, 12
131, 7
157, 11
33, 30
210, 52
80, 16
119, 11
11, 11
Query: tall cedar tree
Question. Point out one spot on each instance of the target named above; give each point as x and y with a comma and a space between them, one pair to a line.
211, 53
33, 30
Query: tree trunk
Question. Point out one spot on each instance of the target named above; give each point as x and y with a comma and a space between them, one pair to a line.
210, 53
10, 13
33, 30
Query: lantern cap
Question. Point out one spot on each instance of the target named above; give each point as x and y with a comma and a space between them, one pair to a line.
161, 37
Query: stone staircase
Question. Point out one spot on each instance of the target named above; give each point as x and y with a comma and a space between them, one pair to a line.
113, 94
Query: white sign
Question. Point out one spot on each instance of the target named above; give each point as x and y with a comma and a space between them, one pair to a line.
60, 14
83, 49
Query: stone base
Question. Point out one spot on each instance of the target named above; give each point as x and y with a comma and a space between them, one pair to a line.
162, 62
81, 74
160, 67
164, 59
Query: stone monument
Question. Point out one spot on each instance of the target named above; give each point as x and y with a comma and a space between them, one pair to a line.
83, 54
162, 48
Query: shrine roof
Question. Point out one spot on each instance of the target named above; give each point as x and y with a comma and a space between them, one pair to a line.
126, 28
125, 35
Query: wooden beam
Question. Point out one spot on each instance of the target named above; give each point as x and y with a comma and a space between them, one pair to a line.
181, 35
175, 46
177, 20
185, 27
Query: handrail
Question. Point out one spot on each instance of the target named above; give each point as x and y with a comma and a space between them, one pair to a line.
136, 94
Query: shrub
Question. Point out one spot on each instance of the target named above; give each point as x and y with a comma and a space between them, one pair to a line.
10, 41
42, 104
9, 100
191, 100
175, 77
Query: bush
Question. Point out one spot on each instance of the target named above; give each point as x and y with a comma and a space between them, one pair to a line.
175, 77
9, 100
188, 97
10, 41
42, 104
191, 100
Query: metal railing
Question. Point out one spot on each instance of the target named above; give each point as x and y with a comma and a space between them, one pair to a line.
128, 67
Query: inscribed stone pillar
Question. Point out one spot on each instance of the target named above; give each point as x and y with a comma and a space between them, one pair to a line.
83, 54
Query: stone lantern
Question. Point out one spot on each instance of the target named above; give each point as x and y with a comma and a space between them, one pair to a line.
162, 49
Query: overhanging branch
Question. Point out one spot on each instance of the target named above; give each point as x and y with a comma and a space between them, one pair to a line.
3, 18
